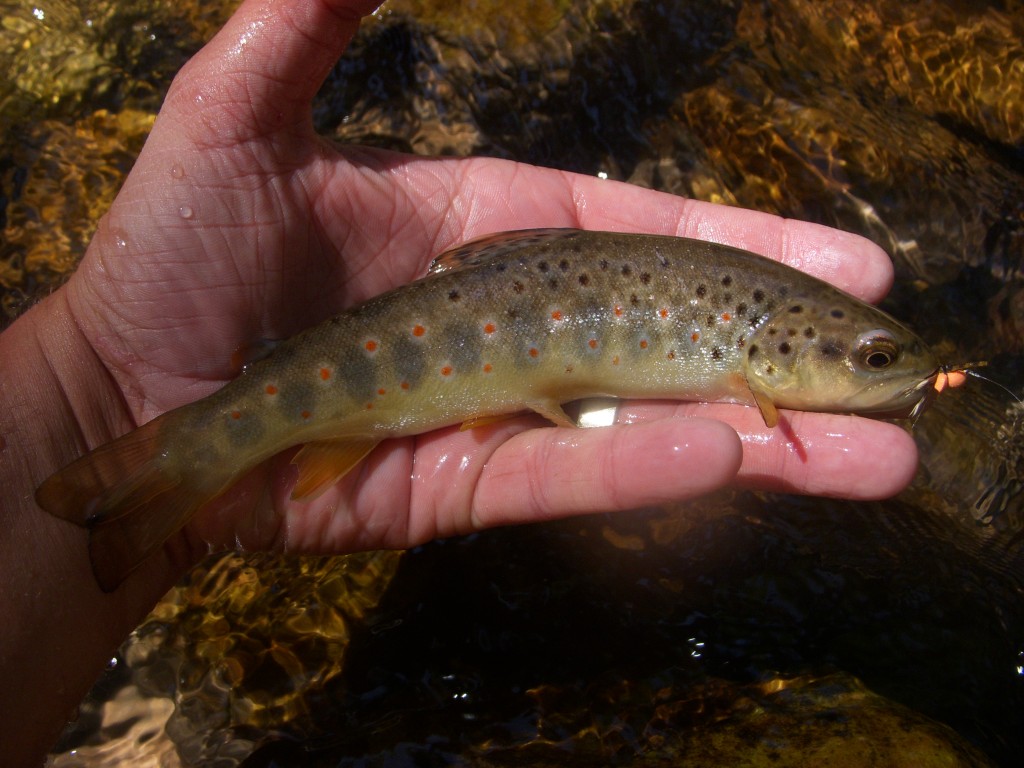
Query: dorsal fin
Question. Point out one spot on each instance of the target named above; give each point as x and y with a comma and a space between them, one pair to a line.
250, 352
491, 246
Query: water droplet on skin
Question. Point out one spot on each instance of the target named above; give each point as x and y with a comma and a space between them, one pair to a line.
177, 171
186, 212
119, 237
112, 664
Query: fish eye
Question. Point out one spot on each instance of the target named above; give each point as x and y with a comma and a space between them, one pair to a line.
877, 350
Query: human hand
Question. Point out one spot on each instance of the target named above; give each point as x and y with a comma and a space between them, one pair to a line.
239, 223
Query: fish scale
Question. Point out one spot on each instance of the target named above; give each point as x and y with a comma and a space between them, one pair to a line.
512, 322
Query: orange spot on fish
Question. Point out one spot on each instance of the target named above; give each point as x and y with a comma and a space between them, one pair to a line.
619, 311
371, 346
369, 406
382, 391
270, 389
487, 368
236, 415
556, 315
695, 336
306, 414
592, 343
404, 385
615, 360
671, 354
726, 317
325, 373
490, 328
446, 371
534, 351
643, 343
418, 330
663, 313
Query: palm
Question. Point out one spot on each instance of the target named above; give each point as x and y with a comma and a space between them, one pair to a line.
238, 225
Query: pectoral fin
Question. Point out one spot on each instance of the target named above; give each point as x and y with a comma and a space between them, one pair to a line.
764, 403
323, 463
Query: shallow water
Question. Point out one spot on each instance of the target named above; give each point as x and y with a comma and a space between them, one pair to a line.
741, 628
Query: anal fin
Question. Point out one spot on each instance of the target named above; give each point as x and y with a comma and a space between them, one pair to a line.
323, 463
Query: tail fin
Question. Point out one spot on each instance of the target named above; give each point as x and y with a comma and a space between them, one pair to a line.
122, 492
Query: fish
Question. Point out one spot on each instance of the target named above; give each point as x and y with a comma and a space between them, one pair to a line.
513, 322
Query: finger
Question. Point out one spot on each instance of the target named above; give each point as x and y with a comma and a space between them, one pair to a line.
266, 64
551, 473
486, 197
816, 454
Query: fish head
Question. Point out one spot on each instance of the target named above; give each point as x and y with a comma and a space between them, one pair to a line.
840, 356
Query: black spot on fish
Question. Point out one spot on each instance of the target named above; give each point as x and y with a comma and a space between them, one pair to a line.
542, 266
512, 313
603, 264
772, 330
500, 267
809, 332
727, 281
741, 342
784, 348
584, 279
832, 348
752, 351
563, 265
453, 296
710, 321
634, 299
758, 295
626, 270
741, 308
791, 332
796, 309
553, 283
702, 291
769, 369
518, 287
838, 314
645, 277
716, 353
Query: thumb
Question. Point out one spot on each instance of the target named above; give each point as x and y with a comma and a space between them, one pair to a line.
262, 70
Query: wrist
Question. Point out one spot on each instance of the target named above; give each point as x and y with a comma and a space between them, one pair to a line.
56, 401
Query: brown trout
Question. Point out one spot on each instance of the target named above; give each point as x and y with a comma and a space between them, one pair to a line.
521, 321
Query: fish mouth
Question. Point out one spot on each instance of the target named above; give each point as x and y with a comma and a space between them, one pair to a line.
909, 402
